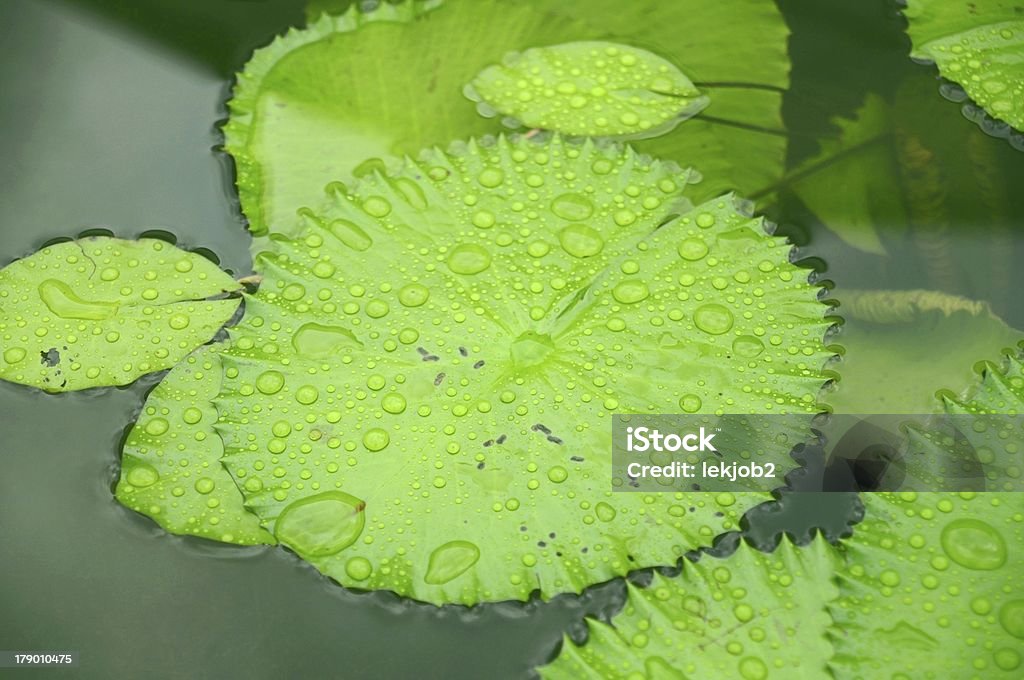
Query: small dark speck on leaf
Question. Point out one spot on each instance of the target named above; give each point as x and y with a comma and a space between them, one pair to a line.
576, 459
551, 535
522, 527
584, 550
553, 439
541, 544
501, 439
489, 442
479, 364
439, 379
539, 427
463, 351
480, 466
422, 351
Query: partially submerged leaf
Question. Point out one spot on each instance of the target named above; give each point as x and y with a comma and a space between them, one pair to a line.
419, 398
979, 45
923, 581
888, 367
103, 311
850, 183
588, 88
313, 106
170, 463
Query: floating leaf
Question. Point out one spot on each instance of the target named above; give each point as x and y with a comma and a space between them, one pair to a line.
849, 184
312, 107
170, 463
423, 385
588, 88
979, 45
928, 577
749, 616
104, 311
886, 367
823, 612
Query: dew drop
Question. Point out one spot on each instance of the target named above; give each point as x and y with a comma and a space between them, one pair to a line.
572, 207
747, 346
491, 178
192, 415
581, 241
204, 485
413, 295
604, 512
1011, 618
321, 525
351, 234
377, 206
358, 568
558, 474
142, 475
450, 560
13, 355
319, 342
630, 292
468, 259
270, 382
974, 544
178, 322
307, 395
393, 403
692, 249
376, 439
713, 319
157, 427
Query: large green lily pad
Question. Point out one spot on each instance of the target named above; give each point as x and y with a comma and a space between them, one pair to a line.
420, 396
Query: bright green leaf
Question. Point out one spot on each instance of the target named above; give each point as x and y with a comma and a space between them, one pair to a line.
424, 382
928, 586
588, 88
170, 463
104, 311
750, 616
888, 369
850, 184
979, 45
317, 103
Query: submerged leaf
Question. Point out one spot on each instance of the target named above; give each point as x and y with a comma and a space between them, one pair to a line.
850, 184
979, 45
420, 396
103, 311
924, 578
887, 369
313, 106
588, 88
170, 463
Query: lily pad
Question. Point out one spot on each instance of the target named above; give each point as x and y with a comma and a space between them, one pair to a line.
420, 396
103, 311
834, 612
979, 45
886, 369
317, 103
588, 88
170, 463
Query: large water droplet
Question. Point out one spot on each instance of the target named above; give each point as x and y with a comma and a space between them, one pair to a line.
468, 259
630, 292
1011, 618
142, 475
321, 525
974, 544
747, 346
579, 240
270, 382
376, 439
451, 560
413, 295
13, 355
351, 234
713, 318
317, 341
65, 303
573, 207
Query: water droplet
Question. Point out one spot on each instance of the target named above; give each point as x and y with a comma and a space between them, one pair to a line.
178, 322
690, 403
183, 266
484, 219
270, 382
377, 206
157, 427
581, 241
450, 560
319, 342
752, 668
491, 178
13, 355
376, 309
351, 234
468, 259
974, 544
747, 346
413, 295
204, 485
307, 395
1007, 659
358, 568
60, 299
692, 249
1011, 618
630, 292
393, 403
705, 220
604, 512
572, 207
192, 415
713, 318
324, 270
558, 474
142, 475
376, 439
321, 525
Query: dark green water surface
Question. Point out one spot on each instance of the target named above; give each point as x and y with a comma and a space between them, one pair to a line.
108, 113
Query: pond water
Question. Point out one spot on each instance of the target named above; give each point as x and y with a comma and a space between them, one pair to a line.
109, 121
